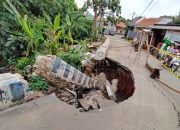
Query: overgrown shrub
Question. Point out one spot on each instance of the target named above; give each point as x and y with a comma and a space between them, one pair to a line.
72, 57
23, 62
37, 83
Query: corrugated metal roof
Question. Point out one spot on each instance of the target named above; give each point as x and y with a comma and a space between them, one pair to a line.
165, 21
133, 22
166, 27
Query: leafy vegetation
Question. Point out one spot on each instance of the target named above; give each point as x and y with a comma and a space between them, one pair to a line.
177, 19
28, 27
73, 57
115, 20
99, 8
23, 62
37, 83
32, 26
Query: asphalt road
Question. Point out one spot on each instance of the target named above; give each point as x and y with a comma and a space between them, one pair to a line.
148, 109
165, 75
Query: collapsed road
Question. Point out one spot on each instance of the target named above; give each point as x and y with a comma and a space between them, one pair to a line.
147, 109
74, 87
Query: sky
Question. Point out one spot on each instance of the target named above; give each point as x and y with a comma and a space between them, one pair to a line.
156, 9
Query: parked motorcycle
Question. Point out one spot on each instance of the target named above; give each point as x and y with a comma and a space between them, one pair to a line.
175, 63
175, 66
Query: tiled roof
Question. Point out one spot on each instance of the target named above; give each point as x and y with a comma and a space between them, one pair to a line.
121, 25
147, 22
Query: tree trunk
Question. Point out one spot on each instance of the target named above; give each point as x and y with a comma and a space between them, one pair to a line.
94, 26
100, 22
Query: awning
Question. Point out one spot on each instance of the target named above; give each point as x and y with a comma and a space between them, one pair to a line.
167, 27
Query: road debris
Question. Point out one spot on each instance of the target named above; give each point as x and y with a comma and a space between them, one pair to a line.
155, 73
114, 85
110, 91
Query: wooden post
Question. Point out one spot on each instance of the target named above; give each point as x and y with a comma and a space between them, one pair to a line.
149, 45
140, 45
145, 39
138, 39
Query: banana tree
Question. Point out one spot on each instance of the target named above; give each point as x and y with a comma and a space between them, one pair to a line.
54, 33
32, 35
69, 24
73, 24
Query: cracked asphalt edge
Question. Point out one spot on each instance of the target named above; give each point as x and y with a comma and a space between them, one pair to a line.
174, 106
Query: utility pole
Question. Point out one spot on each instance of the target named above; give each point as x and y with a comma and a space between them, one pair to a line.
133, 15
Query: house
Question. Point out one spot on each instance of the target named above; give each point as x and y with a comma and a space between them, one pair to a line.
120, 26
169, 31
146, 23
130, 33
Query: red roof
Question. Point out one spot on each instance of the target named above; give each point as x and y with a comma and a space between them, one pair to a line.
121, 25
145, 22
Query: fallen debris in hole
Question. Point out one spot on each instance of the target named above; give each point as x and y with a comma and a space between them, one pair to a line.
111, 80
117, 74
110, 91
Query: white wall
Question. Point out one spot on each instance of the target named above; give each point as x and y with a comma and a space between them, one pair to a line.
173, 36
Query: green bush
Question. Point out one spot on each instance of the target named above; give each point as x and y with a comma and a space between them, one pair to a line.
72, 57
37, 83
23, 62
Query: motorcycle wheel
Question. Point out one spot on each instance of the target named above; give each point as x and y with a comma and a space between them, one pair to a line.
174, 68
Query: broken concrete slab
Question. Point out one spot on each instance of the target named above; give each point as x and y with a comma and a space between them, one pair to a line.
110, 91
59, 73
114, 85
102, 50
90, 101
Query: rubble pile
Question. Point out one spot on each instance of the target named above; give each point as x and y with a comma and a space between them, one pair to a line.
82, 99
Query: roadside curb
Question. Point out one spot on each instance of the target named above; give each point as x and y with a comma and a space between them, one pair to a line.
161, 81
101, 52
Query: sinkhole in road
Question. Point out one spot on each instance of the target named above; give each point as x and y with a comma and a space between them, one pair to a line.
87, 99
114, 70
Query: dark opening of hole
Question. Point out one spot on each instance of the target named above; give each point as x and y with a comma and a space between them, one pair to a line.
114, 70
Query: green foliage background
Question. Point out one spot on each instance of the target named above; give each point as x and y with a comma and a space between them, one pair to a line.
28, 27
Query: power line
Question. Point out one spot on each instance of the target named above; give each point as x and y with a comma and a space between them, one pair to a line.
152, 7
146, 7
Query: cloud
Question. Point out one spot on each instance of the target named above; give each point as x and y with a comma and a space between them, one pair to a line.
159, 7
